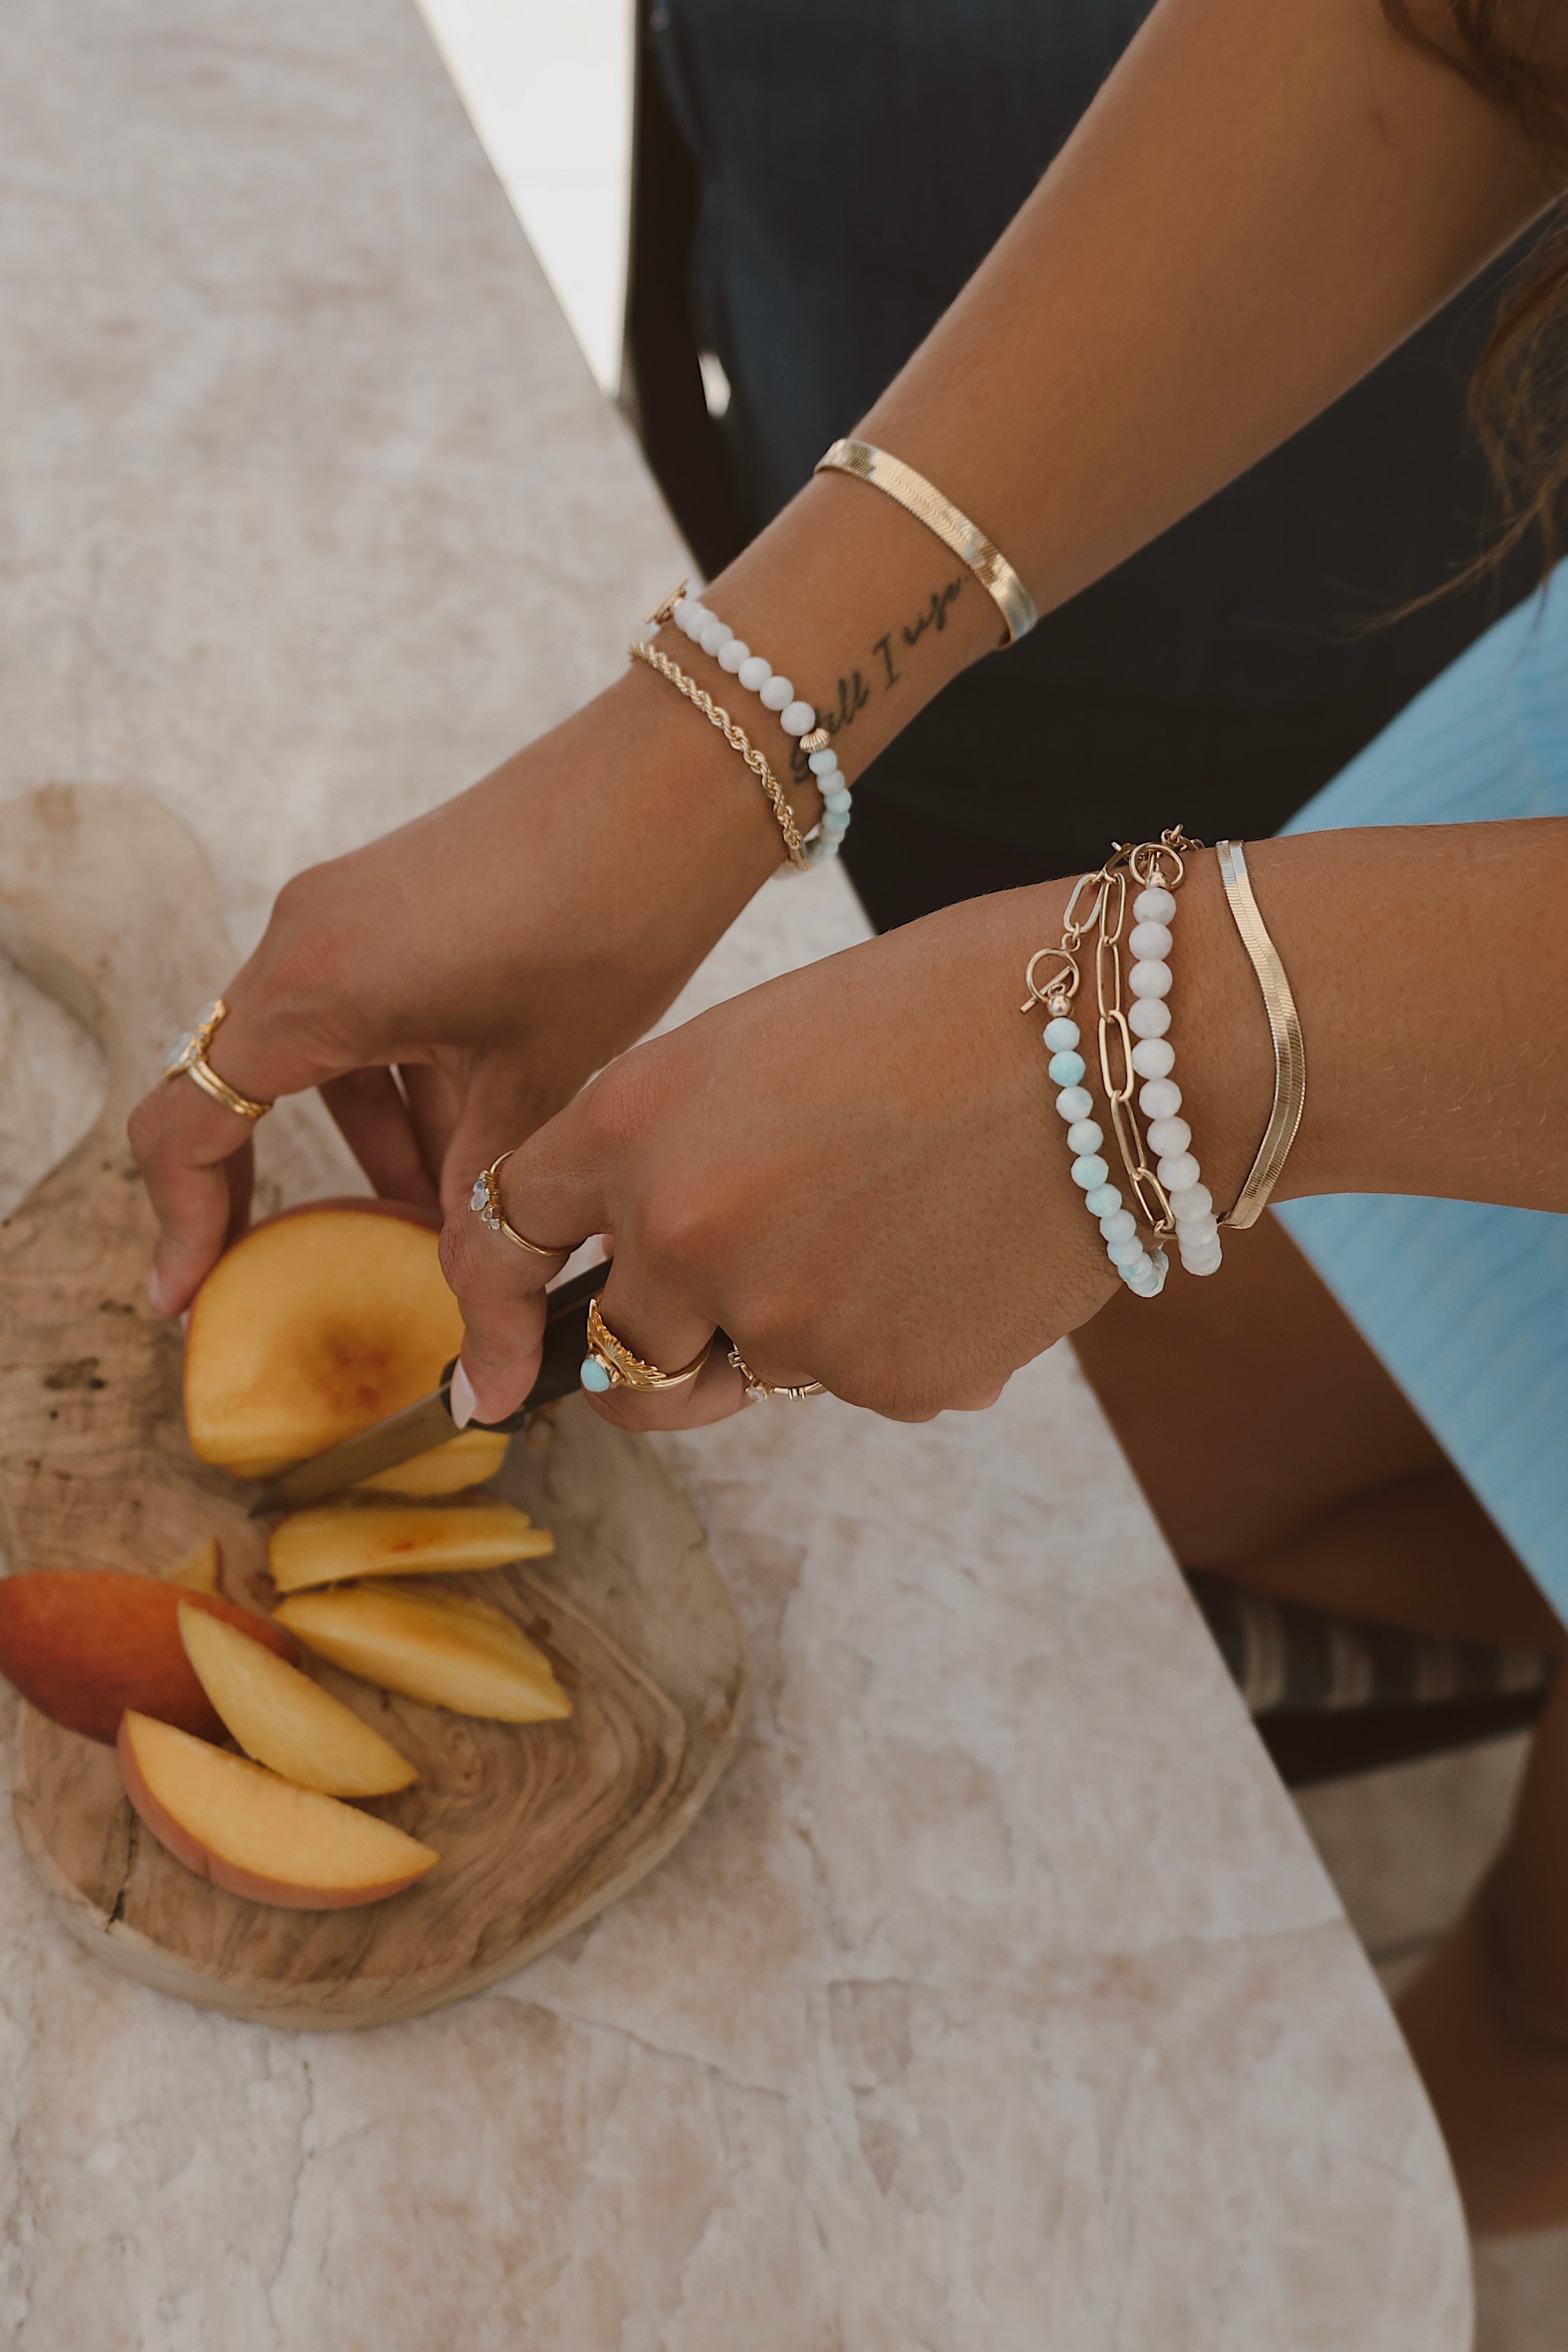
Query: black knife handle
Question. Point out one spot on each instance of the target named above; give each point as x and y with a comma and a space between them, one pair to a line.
565, 1345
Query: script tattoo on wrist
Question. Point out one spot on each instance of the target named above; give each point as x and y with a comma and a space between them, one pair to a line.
856, 691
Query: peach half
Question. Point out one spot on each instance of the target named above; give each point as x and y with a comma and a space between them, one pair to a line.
245, 1829
331, 1542
441, 1648
314, 1325
82, 1644
286, 1721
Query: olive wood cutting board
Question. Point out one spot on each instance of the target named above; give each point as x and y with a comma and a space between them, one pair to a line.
107, 902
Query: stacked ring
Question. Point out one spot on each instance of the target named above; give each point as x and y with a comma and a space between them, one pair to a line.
485, 1201
610, 1363
761, 1388
187, 1058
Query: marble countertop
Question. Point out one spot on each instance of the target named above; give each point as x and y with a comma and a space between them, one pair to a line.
998, 2003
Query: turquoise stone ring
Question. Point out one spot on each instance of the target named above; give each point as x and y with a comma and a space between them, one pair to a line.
610, 1363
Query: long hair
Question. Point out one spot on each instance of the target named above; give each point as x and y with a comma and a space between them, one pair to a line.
1514, 53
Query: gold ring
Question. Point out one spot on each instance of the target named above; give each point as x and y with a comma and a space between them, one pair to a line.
187, 1058
485, 1201
758, 1387
610, 1363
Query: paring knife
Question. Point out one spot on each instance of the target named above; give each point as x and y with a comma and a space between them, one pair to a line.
429, 1422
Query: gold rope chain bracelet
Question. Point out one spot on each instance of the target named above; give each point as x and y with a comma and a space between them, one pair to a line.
736, 738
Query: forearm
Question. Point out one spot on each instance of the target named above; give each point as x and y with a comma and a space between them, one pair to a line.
1263, 201
1427, 965
1430, 966
1267, 196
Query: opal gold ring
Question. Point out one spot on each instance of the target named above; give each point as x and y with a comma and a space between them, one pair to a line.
758, 1387
187, 1058
485, 1201
610, 1363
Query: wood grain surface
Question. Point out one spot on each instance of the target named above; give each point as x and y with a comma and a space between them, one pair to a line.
106, 901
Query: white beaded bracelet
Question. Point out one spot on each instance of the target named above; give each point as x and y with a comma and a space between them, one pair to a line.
795, 716
1171, 1196
1160, 1099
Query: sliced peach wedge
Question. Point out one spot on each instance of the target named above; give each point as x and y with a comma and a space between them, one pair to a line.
245, 1829
466, 1460
331, 1542
441, 1648
284, 1720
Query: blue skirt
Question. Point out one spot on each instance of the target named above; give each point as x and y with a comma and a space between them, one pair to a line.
1466, 1305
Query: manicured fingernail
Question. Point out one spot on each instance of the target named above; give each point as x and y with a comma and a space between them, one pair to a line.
461, 1400
155, 1292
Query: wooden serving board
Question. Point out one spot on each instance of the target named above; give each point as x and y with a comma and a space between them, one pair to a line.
107, 902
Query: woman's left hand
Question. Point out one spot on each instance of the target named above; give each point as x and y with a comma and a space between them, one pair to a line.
856, 1170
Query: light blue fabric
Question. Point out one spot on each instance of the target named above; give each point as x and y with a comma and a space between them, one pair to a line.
1467, 1305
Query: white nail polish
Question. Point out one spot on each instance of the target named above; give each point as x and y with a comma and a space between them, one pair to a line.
461, 1400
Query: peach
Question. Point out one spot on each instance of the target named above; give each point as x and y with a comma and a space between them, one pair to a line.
330, 1542
285, 1720
467, 1460
82, 1644
241, 1826
441, 1648
315, 1324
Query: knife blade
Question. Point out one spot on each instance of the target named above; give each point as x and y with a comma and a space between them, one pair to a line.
429, 1422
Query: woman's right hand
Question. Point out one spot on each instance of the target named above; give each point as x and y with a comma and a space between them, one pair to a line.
498, 950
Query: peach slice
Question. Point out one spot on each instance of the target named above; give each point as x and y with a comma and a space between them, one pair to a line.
330, 1542
254, 1834
315, 1324
82, 1644
200, 1569
466, 1460
441, 1648
285, 1720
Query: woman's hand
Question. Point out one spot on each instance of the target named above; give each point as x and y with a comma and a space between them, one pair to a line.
856, 1170
497, 951
501, 949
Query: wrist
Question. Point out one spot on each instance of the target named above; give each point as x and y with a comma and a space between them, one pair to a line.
1220, 1030
866, 612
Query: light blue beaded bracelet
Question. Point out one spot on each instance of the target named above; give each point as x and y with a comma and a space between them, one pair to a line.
1142, 1270
795, 716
